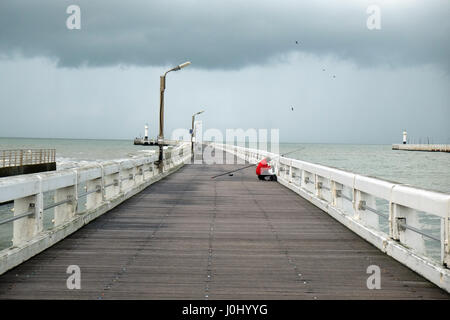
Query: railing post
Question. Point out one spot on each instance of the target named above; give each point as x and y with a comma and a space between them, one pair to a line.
66, 211
364, 200
26, 228
152, 170
358, 204
302, 179
119, 178
333, 193
445, 240
317, 186
113, 180
139, 174
145, 172
134, 172
401, 216
94, 199
103, 191
122, 182
395, 218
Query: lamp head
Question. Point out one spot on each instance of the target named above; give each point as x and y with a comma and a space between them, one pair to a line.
181, 66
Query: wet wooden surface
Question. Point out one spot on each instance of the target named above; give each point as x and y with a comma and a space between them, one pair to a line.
234, 237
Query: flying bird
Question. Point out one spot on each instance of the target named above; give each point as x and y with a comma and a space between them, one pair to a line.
292, 108
296, 42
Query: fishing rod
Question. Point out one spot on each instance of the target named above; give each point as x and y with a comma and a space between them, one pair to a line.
292, 151
229, 172
222, 174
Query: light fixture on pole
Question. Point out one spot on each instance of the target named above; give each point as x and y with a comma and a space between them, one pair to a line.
161, 108
192, 130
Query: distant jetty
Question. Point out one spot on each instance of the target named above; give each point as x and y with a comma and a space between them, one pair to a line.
24, 161
152, 142
422, 147
145, 141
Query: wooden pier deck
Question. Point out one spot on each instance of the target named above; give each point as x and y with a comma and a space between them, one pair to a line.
234, 237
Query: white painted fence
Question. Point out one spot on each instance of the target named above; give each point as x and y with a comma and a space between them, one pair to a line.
389, 215
22, 157
106, 185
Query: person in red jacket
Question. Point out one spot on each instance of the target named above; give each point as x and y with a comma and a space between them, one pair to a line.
264, 170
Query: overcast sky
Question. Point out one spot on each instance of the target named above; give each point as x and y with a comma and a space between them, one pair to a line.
346, 83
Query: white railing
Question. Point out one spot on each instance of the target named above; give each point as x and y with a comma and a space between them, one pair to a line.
21, 157
389, 215
80, 195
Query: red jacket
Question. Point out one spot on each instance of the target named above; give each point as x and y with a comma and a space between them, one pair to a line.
262, 167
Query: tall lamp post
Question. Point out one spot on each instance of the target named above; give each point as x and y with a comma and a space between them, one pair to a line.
161, 108
193, 133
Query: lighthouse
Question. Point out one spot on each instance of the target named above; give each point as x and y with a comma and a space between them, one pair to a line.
145, 141
404, 136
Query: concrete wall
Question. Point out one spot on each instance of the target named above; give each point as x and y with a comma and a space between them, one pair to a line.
27, 169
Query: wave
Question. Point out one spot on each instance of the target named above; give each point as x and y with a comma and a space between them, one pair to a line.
63, 163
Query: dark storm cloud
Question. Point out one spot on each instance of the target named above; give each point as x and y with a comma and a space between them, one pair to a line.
224, 34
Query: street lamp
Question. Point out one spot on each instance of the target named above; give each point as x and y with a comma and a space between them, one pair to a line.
192, 133
161, 108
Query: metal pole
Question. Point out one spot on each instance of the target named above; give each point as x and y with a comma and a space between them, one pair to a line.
161, 111
193, 132
161, 118
192, 135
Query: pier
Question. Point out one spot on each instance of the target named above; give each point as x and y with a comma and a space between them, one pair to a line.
20, 161
153, 142
422, 147
145, 142
179, 234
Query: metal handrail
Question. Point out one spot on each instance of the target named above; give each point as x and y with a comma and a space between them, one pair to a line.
402, 224
58, 203
19, 216
339, 194
20, 157
97, 189
363, 206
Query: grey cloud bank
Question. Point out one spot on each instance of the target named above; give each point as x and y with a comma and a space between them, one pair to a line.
247, 71
358, 106
225, 34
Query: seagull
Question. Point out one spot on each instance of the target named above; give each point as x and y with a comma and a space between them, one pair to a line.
323, 69
296, 42
292, 108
